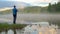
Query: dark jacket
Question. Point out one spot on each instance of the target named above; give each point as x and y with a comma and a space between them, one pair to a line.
14, 11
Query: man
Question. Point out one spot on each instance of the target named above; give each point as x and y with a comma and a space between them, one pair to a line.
14, 14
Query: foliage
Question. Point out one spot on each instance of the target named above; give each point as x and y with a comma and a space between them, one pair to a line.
54, 7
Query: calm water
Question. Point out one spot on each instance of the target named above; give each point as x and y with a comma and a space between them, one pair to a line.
20, 32
26, 31
12, 32
35, 28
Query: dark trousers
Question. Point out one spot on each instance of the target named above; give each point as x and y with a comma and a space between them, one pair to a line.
14, 18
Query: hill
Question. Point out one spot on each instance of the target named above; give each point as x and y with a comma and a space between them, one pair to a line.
33, 9
29, 9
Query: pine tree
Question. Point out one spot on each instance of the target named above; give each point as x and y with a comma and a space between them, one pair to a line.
49, 7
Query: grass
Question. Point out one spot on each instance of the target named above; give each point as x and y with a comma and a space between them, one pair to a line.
11, 26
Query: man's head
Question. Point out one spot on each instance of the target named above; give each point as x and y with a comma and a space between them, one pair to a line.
14, 6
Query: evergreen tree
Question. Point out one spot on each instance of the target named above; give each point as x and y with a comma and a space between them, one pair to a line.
49, 7
58, 6
54, 7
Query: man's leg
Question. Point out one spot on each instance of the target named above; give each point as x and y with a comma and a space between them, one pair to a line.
13, 18
14, 21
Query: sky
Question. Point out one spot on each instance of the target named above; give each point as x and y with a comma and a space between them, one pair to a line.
36, 2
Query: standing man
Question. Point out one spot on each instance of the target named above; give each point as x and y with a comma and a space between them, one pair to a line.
14, 14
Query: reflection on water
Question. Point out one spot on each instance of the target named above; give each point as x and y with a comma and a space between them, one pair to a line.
2, 33
21, 32
12, 32
35, 28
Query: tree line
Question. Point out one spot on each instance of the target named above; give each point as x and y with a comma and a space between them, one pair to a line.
54, 7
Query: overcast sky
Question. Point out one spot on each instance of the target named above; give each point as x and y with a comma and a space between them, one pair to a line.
35, 2
32, 1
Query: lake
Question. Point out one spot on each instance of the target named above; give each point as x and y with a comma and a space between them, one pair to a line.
35, 28
20, 32
28, 19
